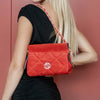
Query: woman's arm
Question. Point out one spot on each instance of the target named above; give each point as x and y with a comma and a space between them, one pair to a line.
87, 53
17, 63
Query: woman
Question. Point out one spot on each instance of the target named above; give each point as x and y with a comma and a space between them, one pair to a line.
35, 27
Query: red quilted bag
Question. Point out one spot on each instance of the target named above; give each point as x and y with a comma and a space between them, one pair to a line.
49, 59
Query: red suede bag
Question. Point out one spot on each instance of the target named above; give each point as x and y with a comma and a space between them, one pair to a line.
49, 59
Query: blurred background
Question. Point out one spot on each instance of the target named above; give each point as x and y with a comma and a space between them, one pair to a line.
84, 82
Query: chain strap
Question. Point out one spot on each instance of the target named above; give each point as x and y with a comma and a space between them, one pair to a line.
43, 8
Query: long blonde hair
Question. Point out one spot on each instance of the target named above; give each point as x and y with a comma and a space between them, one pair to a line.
67, 26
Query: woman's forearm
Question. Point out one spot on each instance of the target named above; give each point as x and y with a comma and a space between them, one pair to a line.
84, 58
13, 78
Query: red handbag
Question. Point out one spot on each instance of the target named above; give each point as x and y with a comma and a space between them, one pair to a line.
49, 59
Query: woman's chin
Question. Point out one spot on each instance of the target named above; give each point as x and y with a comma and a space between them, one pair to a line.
36, 1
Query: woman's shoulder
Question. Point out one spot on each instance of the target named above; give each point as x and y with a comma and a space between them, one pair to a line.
29, 7
28, 11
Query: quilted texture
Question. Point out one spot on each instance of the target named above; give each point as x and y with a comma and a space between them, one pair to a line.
48, 59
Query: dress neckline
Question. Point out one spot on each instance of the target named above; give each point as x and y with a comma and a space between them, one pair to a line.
46, 16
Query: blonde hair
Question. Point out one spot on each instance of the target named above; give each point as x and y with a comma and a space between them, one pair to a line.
67, 26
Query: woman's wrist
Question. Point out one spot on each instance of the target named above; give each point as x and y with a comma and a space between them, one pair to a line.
5, 97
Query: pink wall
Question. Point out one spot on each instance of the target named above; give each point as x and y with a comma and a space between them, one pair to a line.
84, 82
5, 40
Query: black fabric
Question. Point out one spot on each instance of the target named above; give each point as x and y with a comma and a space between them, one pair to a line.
38, 87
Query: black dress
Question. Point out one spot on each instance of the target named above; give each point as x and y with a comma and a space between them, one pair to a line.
37, 87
